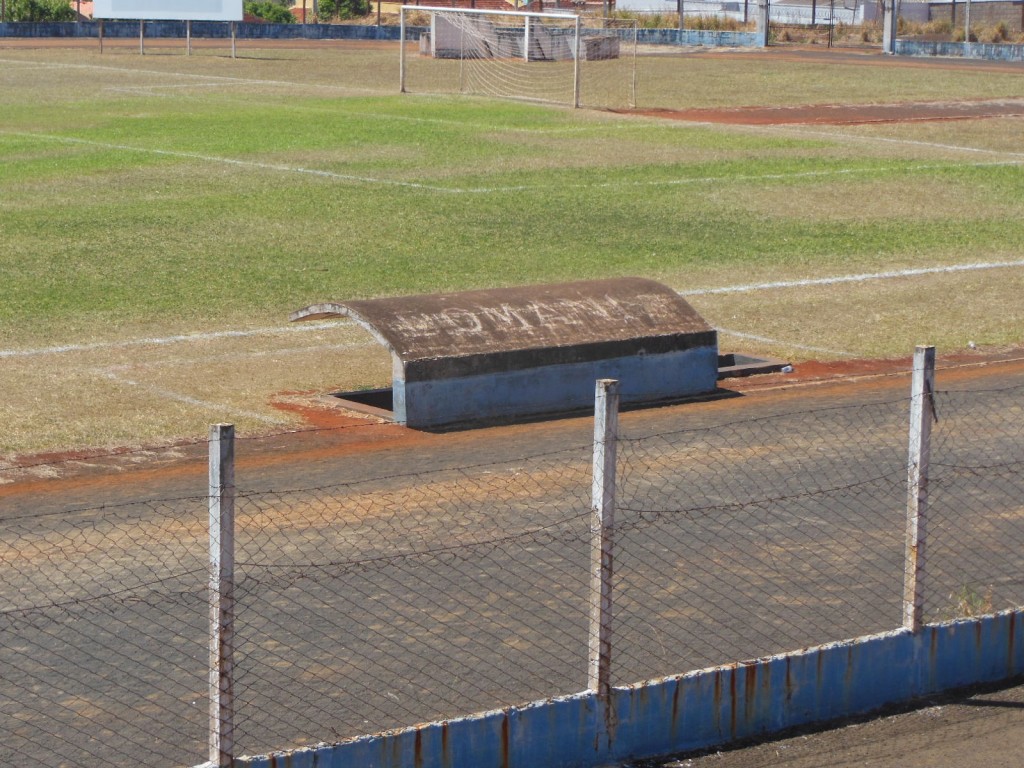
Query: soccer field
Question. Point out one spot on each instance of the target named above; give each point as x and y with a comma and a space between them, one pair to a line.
161, 215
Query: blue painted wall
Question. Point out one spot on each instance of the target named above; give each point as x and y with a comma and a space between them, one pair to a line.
553, 388
698, 710
694, 37
202, 29
988, 51
206, 29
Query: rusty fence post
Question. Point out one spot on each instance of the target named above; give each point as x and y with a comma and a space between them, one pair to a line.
222, 593
602, 526
922, 413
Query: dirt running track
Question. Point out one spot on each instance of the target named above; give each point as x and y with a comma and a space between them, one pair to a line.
380, 455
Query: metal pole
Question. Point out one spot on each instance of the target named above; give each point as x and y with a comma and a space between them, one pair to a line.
188, 36
101, 35
526, 39
576, 69
922, 412
234, 52
602, 527
632, 89
401, 50
142, 26
222, 593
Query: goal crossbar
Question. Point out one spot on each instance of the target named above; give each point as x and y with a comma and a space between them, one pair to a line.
488, 12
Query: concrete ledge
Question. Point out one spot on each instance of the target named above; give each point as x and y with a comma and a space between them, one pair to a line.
698, 710
986, 51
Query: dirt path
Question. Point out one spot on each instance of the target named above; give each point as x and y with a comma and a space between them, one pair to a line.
979, 730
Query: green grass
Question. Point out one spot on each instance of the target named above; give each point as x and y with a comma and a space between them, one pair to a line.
170, 195
131, 207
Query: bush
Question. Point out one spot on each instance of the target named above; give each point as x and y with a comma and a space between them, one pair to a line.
40, 10
270, 11
343, 9
671, 21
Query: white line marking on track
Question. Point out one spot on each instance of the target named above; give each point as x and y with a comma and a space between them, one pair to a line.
861, 278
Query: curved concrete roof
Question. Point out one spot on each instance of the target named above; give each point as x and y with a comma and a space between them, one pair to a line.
496, 322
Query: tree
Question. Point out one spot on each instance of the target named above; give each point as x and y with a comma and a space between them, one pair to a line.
270, 11
343, 9
39, 10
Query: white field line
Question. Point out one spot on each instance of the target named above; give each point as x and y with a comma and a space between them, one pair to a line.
302, 328
488, 190
222, 78
891, 140
861, 278
232, 161
167, 394
184, 338
755, 177
781, 343
175, 362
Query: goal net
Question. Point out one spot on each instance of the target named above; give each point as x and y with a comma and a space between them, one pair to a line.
560, 58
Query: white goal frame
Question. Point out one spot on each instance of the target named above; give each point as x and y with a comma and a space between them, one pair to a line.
576, 20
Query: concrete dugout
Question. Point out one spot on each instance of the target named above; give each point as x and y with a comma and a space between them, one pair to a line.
524, 352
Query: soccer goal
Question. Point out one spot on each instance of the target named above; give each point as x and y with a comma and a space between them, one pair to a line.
560, 58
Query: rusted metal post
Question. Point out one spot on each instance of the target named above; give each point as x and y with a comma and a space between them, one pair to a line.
922, 412
222, 593
602, 527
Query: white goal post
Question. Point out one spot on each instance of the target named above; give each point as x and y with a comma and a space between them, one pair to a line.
546, 57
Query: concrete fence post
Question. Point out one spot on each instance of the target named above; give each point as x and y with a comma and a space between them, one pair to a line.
222, 593
763, 22
890, 19
602, 526
922, 413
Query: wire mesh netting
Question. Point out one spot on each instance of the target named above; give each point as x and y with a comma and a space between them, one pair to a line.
975, 528
401, 598
103, 635
368, 606
740, 540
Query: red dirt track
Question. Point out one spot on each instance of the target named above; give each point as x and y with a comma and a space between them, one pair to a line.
330, 432
846, 114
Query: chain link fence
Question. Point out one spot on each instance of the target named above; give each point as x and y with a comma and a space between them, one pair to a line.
402, 598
